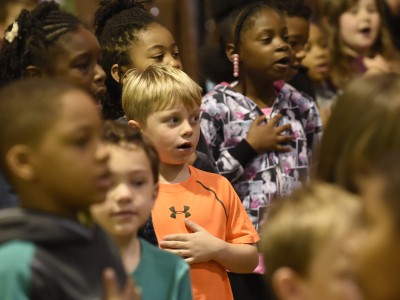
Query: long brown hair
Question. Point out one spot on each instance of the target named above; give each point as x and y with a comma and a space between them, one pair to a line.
343, 64
364, 127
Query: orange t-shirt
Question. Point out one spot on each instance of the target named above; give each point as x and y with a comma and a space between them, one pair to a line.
209, 200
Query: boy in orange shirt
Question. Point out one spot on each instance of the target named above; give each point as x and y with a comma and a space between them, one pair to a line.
197, 215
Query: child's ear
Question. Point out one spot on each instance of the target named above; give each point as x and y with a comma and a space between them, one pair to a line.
134, 124
33, 72
230, 50
18, 160
155, 192
287, 284
115, 72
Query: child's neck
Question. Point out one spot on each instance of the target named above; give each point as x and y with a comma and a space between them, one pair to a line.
129, 248
262, 92
173, 173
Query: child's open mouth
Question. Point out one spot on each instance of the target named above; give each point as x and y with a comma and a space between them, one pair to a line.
185, 146
365, 31
285, 61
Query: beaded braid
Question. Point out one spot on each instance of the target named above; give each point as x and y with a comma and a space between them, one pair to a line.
38, 30
117, 24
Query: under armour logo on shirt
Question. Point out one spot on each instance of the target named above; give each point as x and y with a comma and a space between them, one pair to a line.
178, 212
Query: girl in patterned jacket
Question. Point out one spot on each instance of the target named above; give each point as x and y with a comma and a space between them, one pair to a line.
277, 120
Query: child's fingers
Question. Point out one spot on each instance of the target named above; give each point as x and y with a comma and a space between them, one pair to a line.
173, 245
281, 148
258, 120
282, 128
177, 237
180, 252
111, 289
284, 139
193, 226
275, 119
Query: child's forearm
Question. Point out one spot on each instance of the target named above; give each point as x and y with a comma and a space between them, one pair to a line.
237, 258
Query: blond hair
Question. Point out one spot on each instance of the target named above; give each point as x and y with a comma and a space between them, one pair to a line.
155, 89
298, 226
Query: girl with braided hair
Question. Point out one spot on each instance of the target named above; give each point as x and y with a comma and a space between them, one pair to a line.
48, 42
130, 37
253, 58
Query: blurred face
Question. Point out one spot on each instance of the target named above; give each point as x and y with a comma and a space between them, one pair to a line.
174, 132
129, 201
155, 46
76, 57
379, 245
264, 51
71, 161
298, 30
331, 273
317, 55
359, 26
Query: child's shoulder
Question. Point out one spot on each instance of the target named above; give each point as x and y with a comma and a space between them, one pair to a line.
16, 259
209, 178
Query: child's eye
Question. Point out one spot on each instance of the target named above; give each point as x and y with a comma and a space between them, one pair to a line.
371, 8
194, 119
81, 142
82, 66
137, 182
285, 38
353, 10
172, 120
266, 40
159, 58
175, 54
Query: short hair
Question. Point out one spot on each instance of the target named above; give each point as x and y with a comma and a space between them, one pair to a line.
363, 127
297, 8
121, 134
117, 24
35, 33
298, 226
28, 109
155, 89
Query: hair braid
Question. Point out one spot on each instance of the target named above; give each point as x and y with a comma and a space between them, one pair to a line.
116, 24
37, 31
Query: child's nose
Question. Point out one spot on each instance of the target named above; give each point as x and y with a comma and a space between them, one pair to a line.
122, 193
99, 75
102, 152
187, 128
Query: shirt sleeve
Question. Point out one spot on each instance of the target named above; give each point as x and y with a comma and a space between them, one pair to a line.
15, 271
184, 286
212, 122
239, 228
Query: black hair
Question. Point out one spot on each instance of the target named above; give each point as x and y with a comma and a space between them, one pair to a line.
35, 33
116, 24
232, 19
28, 109
296, 8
